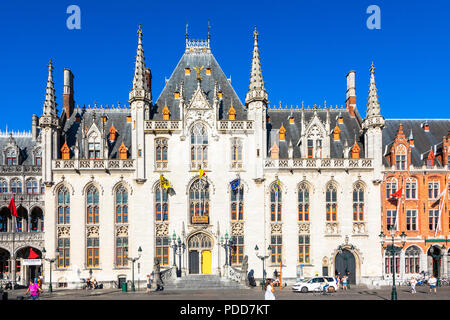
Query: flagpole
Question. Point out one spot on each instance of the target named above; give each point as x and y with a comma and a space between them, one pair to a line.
441, 206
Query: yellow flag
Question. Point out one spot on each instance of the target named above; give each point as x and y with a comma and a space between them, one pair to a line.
202, 173
164, 182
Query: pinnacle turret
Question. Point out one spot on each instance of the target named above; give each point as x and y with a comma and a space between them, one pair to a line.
140, 81
373, 116
50, 99
256, 90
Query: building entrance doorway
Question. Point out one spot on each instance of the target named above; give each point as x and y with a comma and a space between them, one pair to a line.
344, 263
28, 272
200, 260
436, 254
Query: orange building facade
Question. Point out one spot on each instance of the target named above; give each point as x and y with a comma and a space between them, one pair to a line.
416, 161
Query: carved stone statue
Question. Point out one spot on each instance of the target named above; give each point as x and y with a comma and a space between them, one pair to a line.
244, 270
157, 270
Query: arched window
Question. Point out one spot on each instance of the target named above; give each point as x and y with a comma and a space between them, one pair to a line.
314, 142
3, 186
199, 147
237, 204
331, 203
411, 188
161, 204
400, 157
391, 187
358, 202
121, 205
199, 201
92, 206
412, 260
16, 186
389, 261
11, 157
303, 203
63, 206
32, 186
276, 203
38, 157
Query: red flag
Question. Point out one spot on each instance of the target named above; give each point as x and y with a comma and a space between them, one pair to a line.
33, 255
397, 194
12, 207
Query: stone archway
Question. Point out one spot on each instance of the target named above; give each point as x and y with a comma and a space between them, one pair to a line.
5, 257
352, 264
28, 272
434, 257
200, 247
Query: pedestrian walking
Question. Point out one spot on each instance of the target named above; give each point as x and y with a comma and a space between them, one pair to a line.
344, 283
413, 283
149, 283
269, 290
33, 290
338, 281
432, 282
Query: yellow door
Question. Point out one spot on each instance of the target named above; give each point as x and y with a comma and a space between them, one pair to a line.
206, 262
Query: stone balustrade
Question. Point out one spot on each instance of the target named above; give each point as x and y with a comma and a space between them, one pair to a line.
162, 125
235, 126
26, 169
331, 163
93, 164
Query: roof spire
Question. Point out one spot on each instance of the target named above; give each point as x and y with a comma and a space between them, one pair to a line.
50, 99
256, 88
373, 106
139, 80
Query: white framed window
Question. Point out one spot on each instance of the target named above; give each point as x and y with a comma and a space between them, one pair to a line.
433, 190
236, 153
391, 216
411, 189
411, 220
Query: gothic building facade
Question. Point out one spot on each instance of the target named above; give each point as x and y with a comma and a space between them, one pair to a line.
300, 185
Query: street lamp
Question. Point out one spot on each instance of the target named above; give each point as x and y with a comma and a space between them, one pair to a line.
392, 250
50, 288
227, 243
263, 258
133, 260
178, 250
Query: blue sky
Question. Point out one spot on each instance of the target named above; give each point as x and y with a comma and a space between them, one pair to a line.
307, 48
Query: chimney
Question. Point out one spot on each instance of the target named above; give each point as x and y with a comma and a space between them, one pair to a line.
350, 101
34, 123
68, 101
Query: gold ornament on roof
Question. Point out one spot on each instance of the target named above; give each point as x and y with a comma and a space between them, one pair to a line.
198, 69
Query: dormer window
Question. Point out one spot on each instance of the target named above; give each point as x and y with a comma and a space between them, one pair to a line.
430, 159
38, 157
400, 157
94, 150
11, 157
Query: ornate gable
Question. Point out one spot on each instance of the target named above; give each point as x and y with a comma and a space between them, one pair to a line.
199, 100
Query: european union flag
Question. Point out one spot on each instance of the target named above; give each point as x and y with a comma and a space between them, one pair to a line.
235, 183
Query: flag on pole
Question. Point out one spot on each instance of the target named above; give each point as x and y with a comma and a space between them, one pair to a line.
164, 182
235, 183
12, 207
397, 196
441, 206
33, 255
202, 173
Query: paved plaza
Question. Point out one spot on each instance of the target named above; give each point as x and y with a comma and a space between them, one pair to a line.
355, 293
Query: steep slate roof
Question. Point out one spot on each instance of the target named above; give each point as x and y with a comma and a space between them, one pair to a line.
198, 58
423, 141
115, 116
349, 128
26, 146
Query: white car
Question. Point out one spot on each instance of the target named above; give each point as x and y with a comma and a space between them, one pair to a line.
309, 285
